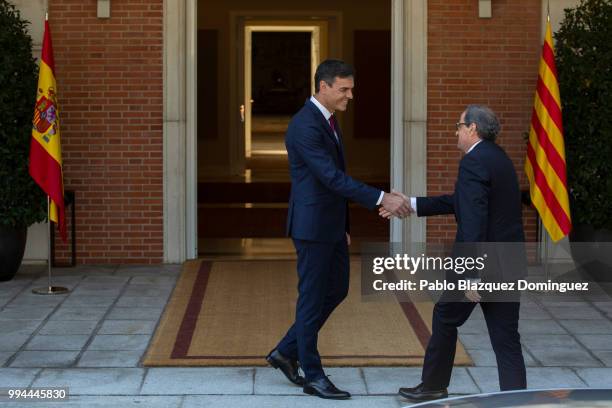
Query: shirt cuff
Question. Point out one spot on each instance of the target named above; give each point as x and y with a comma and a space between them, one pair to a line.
382, 193
413, 204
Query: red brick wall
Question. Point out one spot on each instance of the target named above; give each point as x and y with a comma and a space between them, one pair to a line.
109, 74
486, 61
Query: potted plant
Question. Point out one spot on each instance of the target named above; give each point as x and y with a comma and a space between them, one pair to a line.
22, 202
584, 63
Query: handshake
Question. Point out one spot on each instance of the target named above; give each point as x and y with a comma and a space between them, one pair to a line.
395, 204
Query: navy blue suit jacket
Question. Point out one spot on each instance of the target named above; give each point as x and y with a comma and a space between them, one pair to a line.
320, 188
487, 207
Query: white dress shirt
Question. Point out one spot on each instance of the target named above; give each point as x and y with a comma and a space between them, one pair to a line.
327, 114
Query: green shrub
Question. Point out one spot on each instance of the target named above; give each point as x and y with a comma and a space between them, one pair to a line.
584, 64
22, 202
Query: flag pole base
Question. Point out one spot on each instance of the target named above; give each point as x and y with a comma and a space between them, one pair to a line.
51, 290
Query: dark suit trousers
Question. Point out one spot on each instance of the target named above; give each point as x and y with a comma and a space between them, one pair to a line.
323, 270
502, 323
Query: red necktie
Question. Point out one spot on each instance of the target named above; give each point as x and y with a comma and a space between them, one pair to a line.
331, 123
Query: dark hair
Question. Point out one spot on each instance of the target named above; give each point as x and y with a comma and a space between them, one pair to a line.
329, 69
487, 125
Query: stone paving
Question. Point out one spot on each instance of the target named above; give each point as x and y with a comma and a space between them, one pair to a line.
93, 340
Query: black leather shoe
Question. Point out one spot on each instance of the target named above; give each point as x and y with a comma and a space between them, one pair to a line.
288, 366
420, 393
323, 388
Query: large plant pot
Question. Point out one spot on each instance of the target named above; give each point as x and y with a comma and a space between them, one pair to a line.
12, 247
592, 252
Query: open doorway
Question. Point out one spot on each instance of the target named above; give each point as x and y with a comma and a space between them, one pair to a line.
280, 61
268, 56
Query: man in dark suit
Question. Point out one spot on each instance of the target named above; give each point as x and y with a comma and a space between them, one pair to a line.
487, 207
318, 222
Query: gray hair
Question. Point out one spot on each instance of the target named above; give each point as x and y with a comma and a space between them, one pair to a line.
487, 125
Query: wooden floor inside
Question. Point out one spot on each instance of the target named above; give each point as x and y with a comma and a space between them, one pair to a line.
244, 216
258, 249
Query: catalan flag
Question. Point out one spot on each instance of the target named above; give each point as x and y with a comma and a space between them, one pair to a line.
45, 149
545, 164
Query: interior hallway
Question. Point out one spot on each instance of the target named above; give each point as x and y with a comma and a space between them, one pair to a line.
245, 216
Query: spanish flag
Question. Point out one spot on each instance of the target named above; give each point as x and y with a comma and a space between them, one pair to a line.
45, 149
545, 164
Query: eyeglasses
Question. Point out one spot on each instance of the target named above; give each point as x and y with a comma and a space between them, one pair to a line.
458, 125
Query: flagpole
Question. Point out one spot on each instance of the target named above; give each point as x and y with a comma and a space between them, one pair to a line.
49, 232
50, 289
59, 200
544, 235
547, 257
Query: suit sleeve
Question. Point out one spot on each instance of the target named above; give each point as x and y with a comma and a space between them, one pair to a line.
472, 193
347, 226
439, 205
309, 145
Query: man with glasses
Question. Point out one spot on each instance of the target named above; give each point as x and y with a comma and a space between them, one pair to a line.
487, 207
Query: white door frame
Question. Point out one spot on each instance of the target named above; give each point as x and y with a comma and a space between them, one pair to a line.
408, 135
239, 19
191, 163
314, 31
180, 131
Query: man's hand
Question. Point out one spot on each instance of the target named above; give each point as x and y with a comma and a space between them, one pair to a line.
400, 201
348, 239
472, 295
384, 213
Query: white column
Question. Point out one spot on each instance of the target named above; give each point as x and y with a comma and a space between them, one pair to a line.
409, 111
415, 112
191, 213
174, 138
